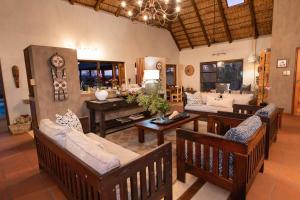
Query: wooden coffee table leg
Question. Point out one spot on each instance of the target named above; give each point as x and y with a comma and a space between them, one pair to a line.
196, 125
160, 138
141, 135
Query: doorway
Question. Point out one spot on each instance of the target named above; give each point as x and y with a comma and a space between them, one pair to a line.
4, 118
296, 99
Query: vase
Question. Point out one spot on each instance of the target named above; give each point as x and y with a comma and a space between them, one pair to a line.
160, 116
101, 95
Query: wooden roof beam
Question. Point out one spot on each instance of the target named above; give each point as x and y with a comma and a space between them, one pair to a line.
117, 13
224, 20
200, 22
185, 32
173, 36
253, 19
97, 6
72, 2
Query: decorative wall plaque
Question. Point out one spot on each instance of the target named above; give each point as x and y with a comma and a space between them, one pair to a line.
189, 70
59, 76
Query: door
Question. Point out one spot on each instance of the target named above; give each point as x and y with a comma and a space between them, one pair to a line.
4, 118
296, 110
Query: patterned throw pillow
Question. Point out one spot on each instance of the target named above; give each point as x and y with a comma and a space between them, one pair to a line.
70, 120
266, 111
194, 99
245, 130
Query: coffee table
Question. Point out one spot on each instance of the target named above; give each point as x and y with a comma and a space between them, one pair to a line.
160, 129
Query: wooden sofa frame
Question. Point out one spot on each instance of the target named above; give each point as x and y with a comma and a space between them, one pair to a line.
79, 181
245, 111
248, 161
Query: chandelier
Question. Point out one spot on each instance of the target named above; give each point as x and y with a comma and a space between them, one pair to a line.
153, 11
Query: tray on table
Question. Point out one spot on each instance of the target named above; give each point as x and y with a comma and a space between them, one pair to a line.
167, 121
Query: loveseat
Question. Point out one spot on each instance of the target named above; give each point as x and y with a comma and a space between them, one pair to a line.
205, 103
86, 166
229, 155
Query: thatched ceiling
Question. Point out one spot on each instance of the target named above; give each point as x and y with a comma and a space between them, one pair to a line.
205, 22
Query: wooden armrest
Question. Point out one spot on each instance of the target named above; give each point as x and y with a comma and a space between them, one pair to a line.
211, 140
240, 116
246, 109
221, 124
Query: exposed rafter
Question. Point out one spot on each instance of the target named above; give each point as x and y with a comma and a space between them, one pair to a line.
97, 6
117, 13
253, 18
201, 22
172, 34
221, 10
185, 32
72, 2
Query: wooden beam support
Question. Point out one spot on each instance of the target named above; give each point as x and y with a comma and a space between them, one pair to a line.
173, 36
221, 10
185, 32
72, 2
97, 6
200, 22
253, 19
117, 13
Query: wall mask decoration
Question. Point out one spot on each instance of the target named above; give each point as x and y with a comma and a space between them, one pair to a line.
15, 73
189, 70
59, 76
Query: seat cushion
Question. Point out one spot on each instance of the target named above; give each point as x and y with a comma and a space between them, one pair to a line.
90, 153
206, 108
204, 96
266, 111
124, 155
54, 131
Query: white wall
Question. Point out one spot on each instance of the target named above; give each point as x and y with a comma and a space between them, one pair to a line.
58, 23
239, 49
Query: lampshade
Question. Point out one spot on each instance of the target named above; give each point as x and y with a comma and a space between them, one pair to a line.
151, 75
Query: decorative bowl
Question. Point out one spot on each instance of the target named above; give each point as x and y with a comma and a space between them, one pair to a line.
101, 95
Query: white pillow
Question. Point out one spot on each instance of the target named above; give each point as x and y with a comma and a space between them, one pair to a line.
240, 98
220, 102
90, 153
204, 96
70, 120
54, 131
194, 99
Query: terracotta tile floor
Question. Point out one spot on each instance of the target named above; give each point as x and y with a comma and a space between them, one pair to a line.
20, 177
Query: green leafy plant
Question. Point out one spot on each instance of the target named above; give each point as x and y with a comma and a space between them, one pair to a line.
150, 102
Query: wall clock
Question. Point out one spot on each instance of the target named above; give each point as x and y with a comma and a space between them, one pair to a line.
59, 76
159, 66
189, 70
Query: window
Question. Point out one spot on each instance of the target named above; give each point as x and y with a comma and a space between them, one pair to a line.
231, 3
100, 73
213, 74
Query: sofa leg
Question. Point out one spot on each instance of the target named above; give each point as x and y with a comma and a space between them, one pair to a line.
261, 170
180, 173
238, 196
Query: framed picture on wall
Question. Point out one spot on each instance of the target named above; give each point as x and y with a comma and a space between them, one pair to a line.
282, 63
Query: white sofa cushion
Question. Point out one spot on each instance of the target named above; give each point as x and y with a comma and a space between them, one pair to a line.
54, 131
194, 99
206, 108
90, 153
240, 98
204, 96
124, 155
219, 102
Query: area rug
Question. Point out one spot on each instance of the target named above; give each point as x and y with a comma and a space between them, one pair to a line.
128, 139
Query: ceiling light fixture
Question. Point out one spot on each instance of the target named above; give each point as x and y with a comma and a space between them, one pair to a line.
155, 11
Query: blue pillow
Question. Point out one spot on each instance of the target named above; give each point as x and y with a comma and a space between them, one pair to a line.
244, 130
266, 111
